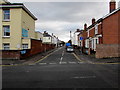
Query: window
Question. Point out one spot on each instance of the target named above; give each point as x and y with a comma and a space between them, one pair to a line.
24, 33
25, 46
88, 33
6, 46
6, 15
6, 31
87, 43
96, 29
93, 43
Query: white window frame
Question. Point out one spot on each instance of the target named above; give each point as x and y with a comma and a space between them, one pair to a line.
5, 30
88, 33
24, 46
87, 43
5, 15
96, 29
6, 46
94, 43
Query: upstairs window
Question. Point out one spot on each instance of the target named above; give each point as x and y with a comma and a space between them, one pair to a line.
6, 15
6, 31
24, 33
96, 29
6, 46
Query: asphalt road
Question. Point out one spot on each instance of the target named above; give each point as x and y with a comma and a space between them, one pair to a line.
60, 70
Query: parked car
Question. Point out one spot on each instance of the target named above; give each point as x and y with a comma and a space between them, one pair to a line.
70, 49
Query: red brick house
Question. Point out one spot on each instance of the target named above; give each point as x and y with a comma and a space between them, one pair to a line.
103, 35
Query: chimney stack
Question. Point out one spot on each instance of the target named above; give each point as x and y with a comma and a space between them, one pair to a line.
78, 30
52, 34
44, 31
93, 20
112, 6
85, 26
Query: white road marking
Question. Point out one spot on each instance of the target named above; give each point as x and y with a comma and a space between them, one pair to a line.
42, 63
52, 63
61, 58
80, 62
63, 63
72, 62
32, 64
84, 77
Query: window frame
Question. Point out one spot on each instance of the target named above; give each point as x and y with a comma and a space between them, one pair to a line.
6, 46
5, 31
24, 46
6, 15
96, 29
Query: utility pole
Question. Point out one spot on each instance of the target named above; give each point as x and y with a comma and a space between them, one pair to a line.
70, 35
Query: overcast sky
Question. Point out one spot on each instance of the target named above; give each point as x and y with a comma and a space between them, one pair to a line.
62, 17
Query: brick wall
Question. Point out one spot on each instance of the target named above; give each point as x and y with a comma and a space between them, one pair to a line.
107, 50
84, 35
37, 47
110, 29
92, 32
10, 54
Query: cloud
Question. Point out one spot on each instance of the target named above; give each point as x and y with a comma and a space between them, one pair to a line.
62, 17
60, 0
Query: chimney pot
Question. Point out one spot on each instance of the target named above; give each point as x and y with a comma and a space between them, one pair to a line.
85, 26
93, 20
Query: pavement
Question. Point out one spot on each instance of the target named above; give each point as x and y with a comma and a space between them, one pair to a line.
92, 59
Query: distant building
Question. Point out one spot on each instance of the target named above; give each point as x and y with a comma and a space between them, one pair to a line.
75, 37
47, 38
102, 36
38, 35
55, 40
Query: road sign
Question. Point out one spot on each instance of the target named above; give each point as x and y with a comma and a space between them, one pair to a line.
81, 38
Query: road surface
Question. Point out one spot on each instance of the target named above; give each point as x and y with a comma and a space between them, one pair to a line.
60, 70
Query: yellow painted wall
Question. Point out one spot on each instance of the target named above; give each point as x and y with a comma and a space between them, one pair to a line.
0, 29
27, 41
15, 29
28, 23
38, 35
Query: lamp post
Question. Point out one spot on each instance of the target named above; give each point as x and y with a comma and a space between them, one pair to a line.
70, 35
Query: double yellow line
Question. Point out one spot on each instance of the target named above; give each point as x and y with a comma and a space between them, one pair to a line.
77, 57
91, 62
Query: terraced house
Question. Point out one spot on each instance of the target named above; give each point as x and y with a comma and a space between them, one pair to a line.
102, 36
18, 38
